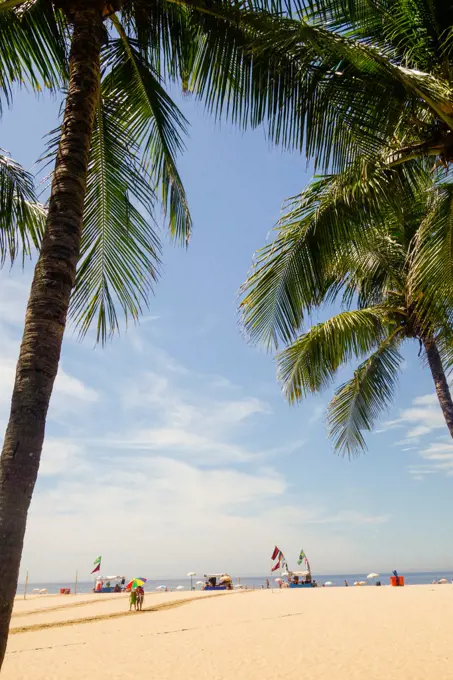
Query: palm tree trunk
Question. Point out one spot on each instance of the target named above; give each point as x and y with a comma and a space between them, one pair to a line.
48, 305
440, 381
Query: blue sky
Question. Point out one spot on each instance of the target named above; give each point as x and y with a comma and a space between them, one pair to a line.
173, 450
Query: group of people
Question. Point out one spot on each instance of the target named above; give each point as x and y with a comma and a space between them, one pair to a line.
136, 599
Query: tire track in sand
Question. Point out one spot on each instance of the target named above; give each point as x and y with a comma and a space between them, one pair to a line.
106, 617
60, 607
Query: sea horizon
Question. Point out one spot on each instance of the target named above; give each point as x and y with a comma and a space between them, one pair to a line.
337, 579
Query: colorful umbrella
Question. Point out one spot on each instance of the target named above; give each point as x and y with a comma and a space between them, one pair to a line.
135, 583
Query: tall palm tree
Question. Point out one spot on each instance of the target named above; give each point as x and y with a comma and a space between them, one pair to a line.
115, 159
386, 274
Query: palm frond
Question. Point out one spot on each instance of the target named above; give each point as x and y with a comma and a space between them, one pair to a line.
430, 278
33, 47
312, 89
310, 362
163, 35
120, 249
414, 28
296, 271
359, 402
154, 122
22, 218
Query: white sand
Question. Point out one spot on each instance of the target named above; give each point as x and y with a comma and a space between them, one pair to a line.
330, 634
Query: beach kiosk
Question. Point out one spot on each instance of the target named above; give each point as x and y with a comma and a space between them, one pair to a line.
300, 579
109, 584
218, 582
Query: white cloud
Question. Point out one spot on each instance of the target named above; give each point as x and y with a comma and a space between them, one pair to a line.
68, 386
426, 400
192, 518
420, 420
424, 417
181, 441
62, 457
438, 457
195, 416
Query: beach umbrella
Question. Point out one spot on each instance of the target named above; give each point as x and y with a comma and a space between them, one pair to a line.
135, 583
356, 583
363, 583
278, 580
191, 574
328, 583
443, 580
373, 575
43, 591
180, 588
200, 583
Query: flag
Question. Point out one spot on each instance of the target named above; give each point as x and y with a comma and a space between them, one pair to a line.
276, 566
275, 553
97, 564
301, 557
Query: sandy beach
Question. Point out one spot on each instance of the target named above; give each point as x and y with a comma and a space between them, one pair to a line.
338, 633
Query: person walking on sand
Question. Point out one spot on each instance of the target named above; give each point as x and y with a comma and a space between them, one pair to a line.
133, 600
140, 598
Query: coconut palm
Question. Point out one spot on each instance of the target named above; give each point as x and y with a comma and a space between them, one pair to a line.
382, 272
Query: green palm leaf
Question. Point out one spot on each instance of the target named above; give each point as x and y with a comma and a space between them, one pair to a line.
120, 249
155, 123
22, 218
32, 48
359, 402
310, 362
302, 265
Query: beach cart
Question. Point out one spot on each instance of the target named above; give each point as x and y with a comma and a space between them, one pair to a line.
218, 582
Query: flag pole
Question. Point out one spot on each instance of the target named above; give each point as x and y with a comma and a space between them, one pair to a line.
26, 584
76, 582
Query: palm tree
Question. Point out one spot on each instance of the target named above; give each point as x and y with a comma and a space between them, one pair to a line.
388, 276
115, 159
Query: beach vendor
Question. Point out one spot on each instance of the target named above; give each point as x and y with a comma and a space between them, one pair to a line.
133, 600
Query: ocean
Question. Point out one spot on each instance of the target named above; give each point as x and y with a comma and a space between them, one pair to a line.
411, 578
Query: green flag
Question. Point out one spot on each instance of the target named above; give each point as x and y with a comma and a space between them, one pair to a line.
97, 564
301, 557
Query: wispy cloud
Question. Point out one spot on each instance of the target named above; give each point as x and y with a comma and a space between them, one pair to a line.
422, 418
193, 417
